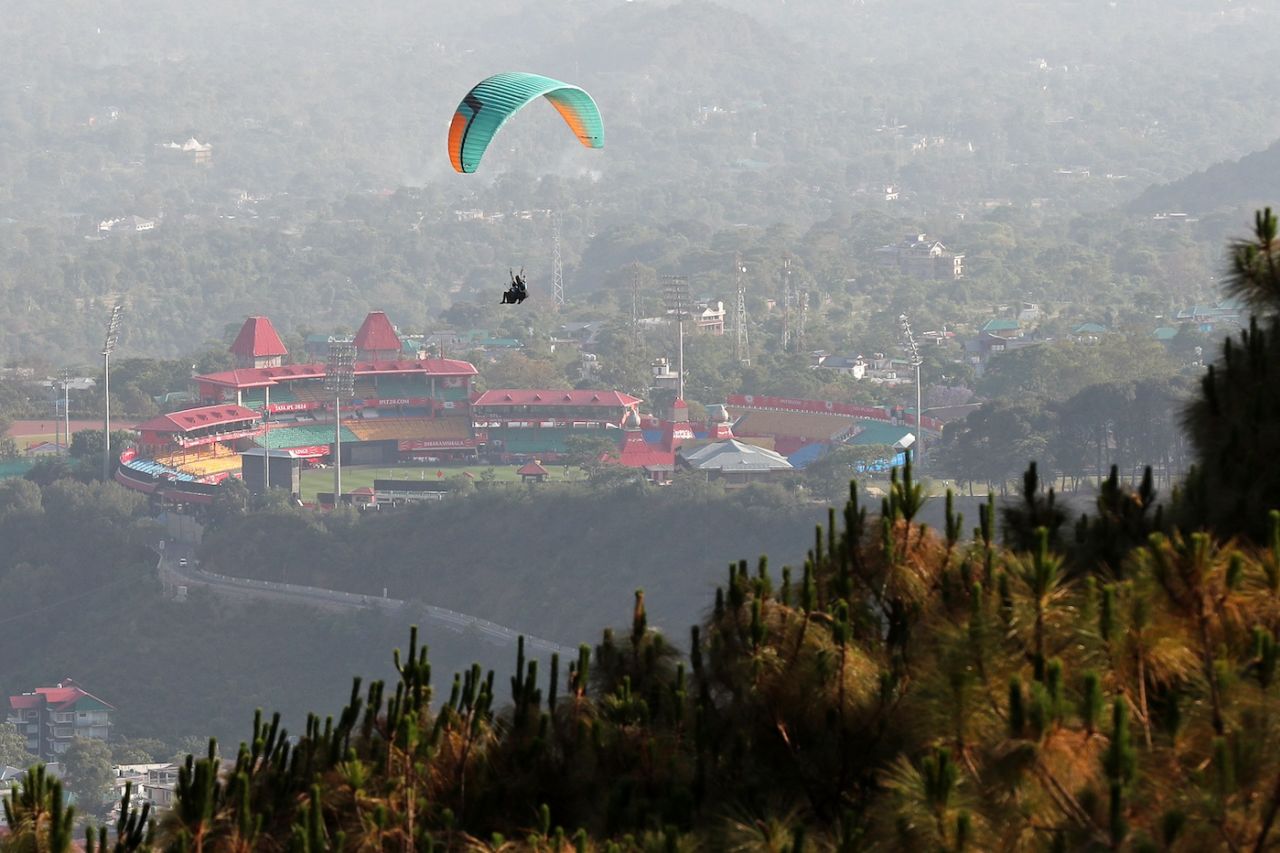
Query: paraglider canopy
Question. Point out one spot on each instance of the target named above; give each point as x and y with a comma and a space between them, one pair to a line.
492, 101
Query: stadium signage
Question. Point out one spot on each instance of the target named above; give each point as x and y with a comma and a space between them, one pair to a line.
293, 407
407, 445
308, 452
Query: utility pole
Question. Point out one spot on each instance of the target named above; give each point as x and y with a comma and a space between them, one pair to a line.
915, 359
741, 349
675, 292
266, 441
66, 409
786, 303
108, 346
339, 380
557, 267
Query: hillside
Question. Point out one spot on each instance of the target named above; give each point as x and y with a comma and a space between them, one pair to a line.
1232, 185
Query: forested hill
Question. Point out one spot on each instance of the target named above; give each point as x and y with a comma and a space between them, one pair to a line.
556, 563
1233, 185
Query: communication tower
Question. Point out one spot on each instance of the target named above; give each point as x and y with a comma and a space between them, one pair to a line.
741, 349
557, 267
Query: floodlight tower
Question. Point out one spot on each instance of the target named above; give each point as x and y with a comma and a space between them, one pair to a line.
108, 347
741, 351
557, 266
339, 380
916, 361
675, 292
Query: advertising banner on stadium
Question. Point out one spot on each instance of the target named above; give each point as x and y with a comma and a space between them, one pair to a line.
406, 401
411, 444
310, 452
293, 407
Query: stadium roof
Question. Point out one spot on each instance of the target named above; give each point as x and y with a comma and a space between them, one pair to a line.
257, 377
733, 455
376, 334
201, 418
258, 339
543, 397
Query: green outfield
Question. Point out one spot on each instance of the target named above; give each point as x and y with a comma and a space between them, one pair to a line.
360, 476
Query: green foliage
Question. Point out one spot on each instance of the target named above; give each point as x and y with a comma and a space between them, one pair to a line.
13, 747
88, 773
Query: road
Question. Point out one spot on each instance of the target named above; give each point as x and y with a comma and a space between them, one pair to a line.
173, 574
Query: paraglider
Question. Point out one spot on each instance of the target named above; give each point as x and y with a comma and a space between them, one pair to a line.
517, 292
488, 106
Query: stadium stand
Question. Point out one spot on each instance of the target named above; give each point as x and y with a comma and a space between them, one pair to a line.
543, 440
804, 425
255, 397
154, 469
401, 387
412, 428
219, 459
307, 436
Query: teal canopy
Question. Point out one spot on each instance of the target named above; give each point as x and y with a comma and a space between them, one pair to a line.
493, 101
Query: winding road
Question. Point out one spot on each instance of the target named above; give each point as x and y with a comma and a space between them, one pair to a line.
173, 574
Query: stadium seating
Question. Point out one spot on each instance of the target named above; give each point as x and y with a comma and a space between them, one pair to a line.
400, 388
255, 397
154, 469
541, 440
385, 429
811, 426
203, 462
305, 436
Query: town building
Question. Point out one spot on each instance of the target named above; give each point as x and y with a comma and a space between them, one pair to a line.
52, 718
920, 257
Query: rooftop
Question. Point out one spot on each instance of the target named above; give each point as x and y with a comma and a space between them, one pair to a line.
257, 377
733, 455
550, 398
376, 334
200, 418
258, 339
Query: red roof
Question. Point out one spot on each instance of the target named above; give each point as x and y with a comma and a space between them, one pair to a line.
376, 334
532, 469
55, 696
193, 419
256, 377
638, 453
258, 339
539, 397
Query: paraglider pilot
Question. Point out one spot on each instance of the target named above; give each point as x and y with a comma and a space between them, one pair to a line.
518, 292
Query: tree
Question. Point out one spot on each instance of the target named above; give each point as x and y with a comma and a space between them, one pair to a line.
588, 451
88, 772
13, 747
1235, 419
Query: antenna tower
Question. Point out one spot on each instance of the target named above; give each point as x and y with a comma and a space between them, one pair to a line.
741, 351
635, 298
786, 303
557, 267
675, 293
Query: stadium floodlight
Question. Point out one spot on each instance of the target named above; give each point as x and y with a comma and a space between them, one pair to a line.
108, 347
915, 362
675, 294
339, 380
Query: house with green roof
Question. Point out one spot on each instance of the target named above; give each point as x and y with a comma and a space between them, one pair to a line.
1001, 328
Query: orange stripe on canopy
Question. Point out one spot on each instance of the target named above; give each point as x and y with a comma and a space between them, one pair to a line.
456, 130
571, 118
